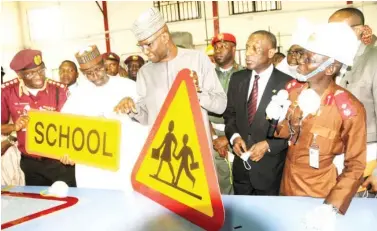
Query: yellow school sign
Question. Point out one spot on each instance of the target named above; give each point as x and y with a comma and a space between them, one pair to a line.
91, 141
175, 167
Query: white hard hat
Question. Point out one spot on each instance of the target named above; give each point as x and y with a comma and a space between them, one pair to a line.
335, 40
303, 30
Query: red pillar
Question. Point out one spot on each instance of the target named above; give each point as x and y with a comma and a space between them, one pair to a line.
106, 24
215, 10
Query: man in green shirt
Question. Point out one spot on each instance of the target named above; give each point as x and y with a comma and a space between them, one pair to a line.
224, 45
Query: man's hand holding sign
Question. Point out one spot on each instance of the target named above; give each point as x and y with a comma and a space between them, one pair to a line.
86, 140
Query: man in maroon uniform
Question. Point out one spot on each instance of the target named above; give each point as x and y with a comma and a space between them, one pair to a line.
31, 90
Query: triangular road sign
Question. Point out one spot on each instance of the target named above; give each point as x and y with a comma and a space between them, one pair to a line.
175, 167
67, 202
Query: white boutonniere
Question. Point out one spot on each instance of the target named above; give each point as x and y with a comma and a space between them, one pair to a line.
278, 107
309, 102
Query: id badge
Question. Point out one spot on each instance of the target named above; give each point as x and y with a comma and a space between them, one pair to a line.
314, 153
314, 156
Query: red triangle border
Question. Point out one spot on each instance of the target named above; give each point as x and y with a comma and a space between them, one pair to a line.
70, 201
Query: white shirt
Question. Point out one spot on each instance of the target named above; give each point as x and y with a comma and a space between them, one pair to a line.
91, 100
264, 77
73, 87
262, 82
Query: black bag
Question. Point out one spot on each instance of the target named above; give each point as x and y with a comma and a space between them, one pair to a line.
155, 153
194, 165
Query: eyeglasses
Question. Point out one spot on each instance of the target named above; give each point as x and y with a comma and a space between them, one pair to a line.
33, 74
304, 58
94, 71
150, 44
297, 53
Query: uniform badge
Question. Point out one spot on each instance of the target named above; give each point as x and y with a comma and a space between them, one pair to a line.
329, 99
111, 57
37, 60
135, 58
292, 85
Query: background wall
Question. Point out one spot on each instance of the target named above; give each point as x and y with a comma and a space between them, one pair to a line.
70, 26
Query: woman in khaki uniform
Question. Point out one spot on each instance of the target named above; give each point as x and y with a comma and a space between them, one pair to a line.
324, 120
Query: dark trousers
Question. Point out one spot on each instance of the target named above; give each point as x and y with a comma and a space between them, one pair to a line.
45, 171
246, 188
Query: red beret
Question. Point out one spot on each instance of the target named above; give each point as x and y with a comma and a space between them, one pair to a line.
26, 59
224, 37
110, 56
134, 58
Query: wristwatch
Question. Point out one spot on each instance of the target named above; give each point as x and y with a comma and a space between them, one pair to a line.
214, 137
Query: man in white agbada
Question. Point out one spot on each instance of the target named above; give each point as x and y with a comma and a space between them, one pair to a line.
98, 97
155, 78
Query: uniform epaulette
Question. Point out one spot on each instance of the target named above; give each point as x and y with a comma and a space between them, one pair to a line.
343, 102
293, 84
55, 83
329, 99
9, 83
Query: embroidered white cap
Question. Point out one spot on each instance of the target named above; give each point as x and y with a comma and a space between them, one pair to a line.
148, 23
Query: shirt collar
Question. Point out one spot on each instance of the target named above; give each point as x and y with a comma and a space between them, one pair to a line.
265, 74
225, 70
22, 89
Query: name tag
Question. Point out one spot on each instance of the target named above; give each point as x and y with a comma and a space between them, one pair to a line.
314, 157
314, 153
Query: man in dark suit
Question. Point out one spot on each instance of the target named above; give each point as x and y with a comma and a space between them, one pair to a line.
246, 125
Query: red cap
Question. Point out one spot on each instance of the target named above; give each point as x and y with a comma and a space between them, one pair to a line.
110, 56
222, 37
134, 58
26, 59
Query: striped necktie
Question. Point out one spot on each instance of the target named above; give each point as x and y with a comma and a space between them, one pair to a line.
253, 99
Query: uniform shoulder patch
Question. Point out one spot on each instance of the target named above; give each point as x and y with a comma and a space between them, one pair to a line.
9, 83
293, 84
344, 105
55, 83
